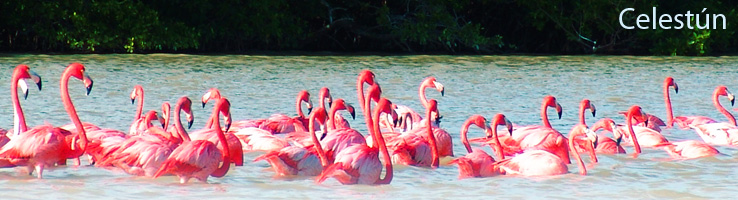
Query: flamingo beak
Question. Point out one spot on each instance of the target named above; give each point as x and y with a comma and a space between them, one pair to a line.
509, 126
592, 137
190, 120
330, 102
351, 110
676, 88
161, 120
592, 108
205, 98
558, 109
439, 87
228, 121
309, 106
88, 83
203, 104
731, 97
36, 79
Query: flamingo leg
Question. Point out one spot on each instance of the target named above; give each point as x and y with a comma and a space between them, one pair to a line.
40, 169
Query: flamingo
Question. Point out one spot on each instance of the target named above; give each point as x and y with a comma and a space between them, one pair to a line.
138, 125
45, 145
581, 144
414, 117
543, 163
686, 122
690, 149
417, 150
301, 161
478, 163
605, 144
199, 159
538, 137
655, 123
20, 74
275, 124
359, 163
638, 136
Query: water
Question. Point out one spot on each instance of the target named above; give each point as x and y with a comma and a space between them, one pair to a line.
262, 85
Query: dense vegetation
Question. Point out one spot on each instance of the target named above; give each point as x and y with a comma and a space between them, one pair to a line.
426, 26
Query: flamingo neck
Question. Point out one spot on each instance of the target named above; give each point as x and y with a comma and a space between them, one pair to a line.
498, 145
544, 115
139, 109
723, 110
667, 102
316, 142
379, 139
331, 125
632, 133
431, 140
67, 101
360, 94
580, 163
421, 94
582, 108
464, 139
178, 123
19, 119
298, 106
223, 169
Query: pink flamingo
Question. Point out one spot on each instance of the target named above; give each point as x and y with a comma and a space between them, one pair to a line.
478, 163
275, 124
655, 123
414, 117
20, 74
605, 144
417, 150
138, 125
359, 164
337, 139
301, 161
690, 149
582, 144
686, 122
543, 163
200, 158
638, 136
45, 145
539, 137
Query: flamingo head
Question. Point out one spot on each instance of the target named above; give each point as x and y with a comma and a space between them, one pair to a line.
384, 105
374, 92
586, 104
24, 72
605, 123
366, 76
165, 111
137, 92
77, 71
325, 95
582, 129
212, 93
351, 110
431, 82
500, 119
186, 106
477, 120
224, 107
320, 116
341, 104
550, 101
151, 116
304, 96
723, 91
669, 82
637, 113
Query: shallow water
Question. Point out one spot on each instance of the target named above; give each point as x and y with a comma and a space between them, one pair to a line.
262, 85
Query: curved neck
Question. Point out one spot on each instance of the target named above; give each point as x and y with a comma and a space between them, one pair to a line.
421, 94
432, 140
140, 105
722, 109
298, 106
67, 101
331, 125
223, 169
360, 94
316, 142
498, 145
544, 115
580, 163
19, 120
368, 118
667, 102
382, 149
582, 108
632, 133
178, 123
464, 139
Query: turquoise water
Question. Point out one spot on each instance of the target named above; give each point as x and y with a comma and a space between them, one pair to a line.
259, 86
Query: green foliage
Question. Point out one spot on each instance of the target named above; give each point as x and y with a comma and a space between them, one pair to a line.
452, 26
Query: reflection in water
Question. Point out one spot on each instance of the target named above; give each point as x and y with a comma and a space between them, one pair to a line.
262, 85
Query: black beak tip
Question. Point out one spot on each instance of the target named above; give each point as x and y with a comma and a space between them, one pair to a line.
203, 104
25, 95
227, 127
676, 90
732, 102
89, 89
442, 92
594, 113
39, 84
189, 124
559, 115
310, 109
330, 103
353, 115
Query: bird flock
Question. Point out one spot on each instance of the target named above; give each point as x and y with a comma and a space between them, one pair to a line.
322, 143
